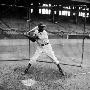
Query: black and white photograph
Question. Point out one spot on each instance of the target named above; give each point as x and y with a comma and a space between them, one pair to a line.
44, 44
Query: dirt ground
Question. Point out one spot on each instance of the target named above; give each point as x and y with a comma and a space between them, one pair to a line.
46, 75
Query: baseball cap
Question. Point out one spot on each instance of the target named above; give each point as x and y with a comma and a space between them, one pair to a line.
41, 25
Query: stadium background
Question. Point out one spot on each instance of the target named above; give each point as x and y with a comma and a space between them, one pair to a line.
68, 25
64, 20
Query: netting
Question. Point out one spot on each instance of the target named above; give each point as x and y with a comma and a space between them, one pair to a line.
66, 44
66, 39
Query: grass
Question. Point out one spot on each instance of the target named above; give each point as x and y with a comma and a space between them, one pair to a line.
47, 78
47, 75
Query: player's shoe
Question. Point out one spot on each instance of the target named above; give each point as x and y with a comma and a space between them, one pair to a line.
60, 70
26, 70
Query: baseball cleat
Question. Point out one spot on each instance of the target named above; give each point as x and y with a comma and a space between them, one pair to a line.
60, 70
26, 70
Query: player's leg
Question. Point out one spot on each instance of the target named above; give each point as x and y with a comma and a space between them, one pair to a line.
33, 59
53, 57
48, 50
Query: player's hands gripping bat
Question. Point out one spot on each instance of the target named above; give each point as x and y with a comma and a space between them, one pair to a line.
31, 36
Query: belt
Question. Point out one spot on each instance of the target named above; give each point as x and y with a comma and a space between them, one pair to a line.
44, 44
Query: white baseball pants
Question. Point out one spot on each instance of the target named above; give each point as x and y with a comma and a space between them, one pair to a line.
47, 49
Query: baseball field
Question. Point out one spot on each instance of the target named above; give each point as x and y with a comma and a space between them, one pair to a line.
43, 74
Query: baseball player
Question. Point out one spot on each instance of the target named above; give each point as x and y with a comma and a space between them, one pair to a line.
43, 46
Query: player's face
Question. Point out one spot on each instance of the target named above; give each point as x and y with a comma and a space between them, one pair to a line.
41, 29
44, 28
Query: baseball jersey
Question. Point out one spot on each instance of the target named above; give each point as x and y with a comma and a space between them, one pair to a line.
43, 37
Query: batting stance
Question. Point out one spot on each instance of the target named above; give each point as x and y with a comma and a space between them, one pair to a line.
43, 45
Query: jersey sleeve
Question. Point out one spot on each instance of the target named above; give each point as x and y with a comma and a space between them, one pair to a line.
33, 30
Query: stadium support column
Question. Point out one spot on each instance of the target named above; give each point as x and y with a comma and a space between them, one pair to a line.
71, 12
52, 13
89, 14
36, 8
77, 13
83, 37
0, 11
57, 11
29, 23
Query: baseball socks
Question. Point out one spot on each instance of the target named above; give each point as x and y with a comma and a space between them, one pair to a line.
60, 70
26, 70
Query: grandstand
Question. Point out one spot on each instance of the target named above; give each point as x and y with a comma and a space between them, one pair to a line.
10, 26
62, 20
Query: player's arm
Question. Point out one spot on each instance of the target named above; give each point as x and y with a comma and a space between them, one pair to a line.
32, 30
35, 28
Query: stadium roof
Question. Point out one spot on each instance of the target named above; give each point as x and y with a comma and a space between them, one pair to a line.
27, 2
85, 1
